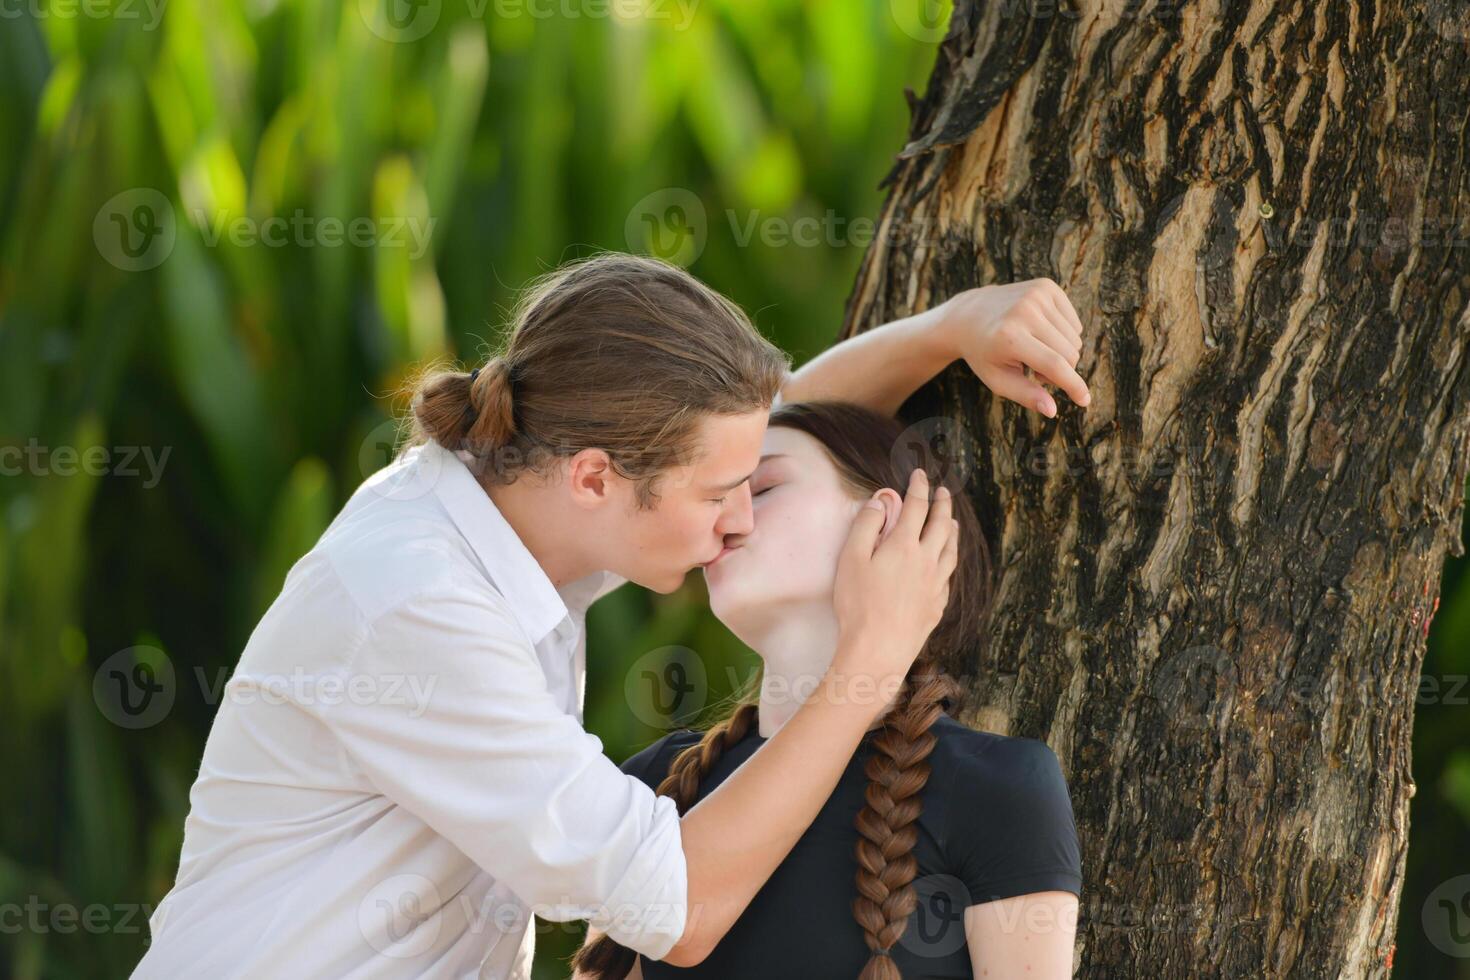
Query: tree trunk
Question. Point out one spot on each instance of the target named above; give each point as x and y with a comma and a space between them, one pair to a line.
1215, 583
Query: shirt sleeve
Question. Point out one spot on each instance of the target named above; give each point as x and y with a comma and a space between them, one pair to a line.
1010, 825
483, 754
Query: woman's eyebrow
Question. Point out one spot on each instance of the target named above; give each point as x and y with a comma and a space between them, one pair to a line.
766, 458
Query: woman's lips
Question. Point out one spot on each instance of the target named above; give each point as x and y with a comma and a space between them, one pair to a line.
722, 554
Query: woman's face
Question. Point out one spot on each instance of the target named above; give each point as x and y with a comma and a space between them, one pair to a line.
802, 515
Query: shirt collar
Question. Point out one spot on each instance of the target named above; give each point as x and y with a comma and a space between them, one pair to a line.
535, 602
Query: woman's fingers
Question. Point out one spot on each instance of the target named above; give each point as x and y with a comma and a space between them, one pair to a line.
1068, 312
1052, 366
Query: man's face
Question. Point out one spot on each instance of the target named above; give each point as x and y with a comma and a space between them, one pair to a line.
698, 505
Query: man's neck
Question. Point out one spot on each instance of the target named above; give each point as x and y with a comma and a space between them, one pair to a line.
549, 533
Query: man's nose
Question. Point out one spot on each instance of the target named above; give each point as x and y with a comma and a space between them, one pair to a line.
738, 516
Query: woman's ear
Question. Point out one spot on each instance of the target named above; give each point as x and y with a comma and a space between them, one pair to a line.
892, 505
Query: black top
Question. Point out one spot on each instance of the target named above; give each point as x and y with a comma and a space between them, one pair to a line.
996, 822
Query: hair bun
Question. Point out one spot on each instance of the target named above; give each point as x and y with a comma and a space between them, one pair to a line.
493, 402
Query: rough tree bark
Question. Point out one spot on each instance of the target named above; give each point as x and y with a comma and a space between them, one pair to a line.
1214, 584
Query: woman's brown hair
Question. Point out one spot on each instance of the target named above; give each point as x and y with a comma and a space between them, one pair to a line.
870, 452
623, 353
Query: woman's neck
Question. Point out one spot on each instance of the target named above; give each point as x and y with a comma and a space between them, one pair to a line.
797, 648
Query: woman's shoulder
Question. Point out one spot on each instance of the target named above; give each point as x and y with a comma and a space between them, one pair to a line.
1005, 813
651, 764
960, 744
989, 766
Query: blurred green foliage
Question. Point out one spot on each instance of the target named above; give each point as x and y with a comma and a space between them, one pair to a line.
196, 388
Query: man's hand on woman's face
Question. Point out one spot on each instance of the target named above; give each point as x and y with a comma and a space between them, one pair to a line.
892, 593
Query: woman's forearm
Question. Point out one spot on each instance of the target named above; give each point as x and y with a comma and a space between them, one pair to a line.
879, 368
737, 836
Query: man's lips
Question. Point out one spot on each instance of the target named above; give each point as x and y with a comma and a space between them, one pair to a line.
723, 553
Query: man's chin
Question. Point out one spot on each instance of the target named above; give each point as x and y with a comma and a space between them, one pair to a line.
666, 584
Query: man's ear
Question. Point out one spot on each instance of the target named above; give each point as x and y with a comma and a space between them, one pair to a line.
892, 505
590, 477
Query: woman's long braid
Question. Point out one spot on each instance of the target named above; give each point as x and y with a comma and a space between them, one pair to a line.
897, 772
606, 959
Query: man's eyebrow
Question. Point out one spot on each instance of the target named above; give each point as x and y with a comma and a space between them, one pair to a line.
731, 486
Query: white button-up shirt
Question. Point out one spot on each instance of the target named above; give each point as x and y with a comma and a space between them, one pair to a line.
397, 777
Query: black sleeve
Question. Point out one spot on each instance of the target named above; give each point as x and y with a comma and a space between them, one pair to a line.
652, 763
1010, 824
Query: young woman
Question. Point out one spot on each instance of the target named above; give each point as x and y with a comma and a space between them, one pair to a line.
398, 776
944, 851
